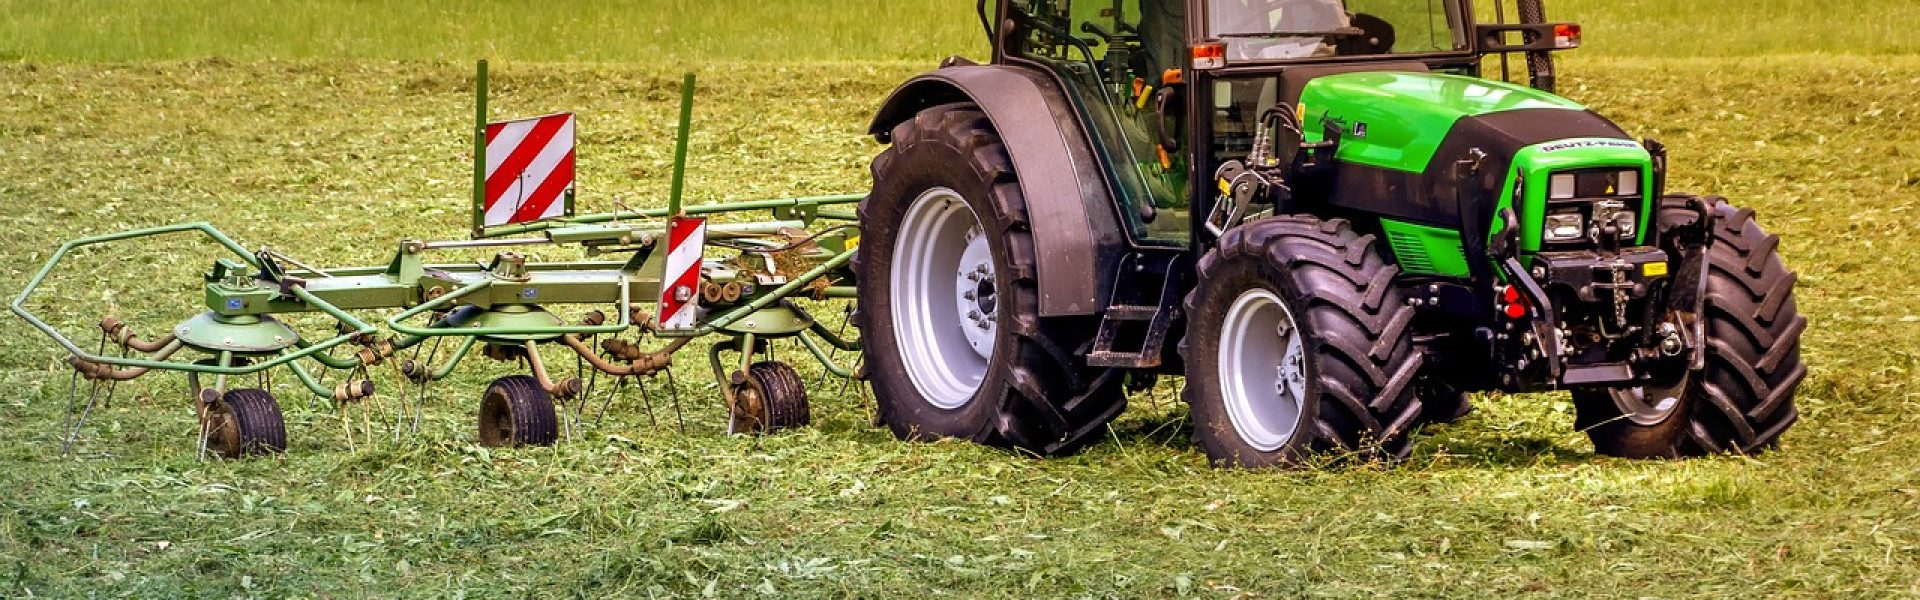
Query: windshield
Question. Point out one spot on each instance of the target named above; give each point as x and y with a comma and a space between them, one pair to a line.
1293, 29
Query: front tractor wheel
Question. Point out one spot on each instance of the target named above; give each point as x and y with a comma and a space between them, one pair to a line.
1298, 345
949, 303
1743, 400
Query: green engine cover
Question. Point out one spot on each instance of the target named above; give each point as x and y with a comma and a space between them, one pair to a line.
1401, 133
1404, 117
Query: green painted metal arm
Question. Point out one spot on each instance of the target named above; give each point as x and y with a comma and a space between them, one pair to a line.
330, 361
19, 306
313, 385
693, 210
394, 322
764, 300
826, 361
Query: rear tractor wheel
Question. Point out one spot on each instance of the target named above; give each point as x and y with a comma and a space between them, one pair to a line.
1298, 345
516, 411
949, 302
1743, 400
244, 423
770, 398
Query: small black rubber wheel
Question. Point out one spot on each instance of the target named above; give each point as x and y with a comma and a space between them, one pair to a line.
954, 343
244, 423
772, 398
516, 412
1298, 344
1743, 401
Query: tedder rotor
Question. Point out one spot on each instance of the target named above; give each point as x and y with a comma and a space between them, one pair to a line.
656, 293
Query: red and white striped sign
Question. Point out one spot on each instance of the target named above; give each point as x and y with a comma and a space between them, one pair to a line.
529, 169
680, 284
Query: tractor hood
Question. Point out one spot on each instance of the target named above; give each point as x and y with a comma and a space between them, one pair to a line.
1399, 137
1399, 121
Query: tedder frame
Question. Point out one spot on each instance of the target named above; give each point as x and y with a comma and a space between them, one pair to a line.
502, 307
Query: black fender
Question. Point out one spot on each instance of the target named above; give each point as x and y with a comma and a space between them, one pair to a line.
1078, 237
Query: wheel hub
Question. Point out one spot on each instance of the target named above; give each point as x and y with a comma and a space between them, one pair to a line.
976, 301
1263, 376
944, 298
1650, 405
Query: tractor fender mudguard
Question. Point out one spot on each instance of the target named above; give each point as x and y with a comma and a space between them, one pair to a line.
1078, 241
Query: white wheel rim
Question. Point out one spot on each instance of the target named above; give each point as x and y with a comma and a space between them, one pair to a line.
1262, 370
1649, 405
944, 316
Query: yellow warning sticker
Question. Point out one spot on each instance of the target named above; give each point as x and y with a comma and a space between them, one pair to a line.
1654, 269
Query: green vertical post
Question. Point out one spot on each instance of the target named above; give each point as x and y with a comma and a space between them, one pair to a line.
680, 148
480, 150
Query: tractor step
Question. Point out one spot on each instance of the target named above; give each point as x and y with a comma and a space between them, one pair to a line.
1133, 336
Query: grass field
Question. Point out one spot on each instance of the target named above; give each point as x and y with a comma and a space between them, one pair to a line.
335, 158
696, 31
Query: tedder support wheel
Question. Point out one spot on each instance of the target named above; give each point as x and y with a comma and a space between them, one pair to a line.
949, 304
245, 423
516, 412
1298, 345
1743, 401
771, 399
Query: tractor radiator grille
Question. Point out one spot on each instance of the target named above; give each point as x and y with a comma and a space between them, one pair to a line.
1411, 251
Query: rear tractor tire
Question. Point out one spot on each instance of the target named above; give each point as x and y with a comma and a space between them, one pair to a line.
244, 423
516, 411
771, 398
1743, 401
949, 302
1298, 345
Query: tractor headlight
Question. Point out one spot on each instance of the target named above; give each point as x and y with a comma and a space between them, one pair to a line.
1616, 211
1566, 226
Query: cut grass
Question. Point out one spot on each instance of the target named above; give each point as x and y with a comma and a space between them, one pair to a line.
334, 161
701, 31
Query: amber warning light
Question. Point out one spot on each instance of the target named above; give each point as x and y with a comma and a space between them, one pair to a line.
1209, 56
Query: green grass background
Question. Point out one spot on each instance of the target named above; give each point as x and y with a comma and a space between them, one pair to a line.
330, 130
694, 31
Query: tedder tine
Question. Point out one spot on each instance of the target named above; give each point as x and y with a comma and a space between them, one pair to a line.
673, 391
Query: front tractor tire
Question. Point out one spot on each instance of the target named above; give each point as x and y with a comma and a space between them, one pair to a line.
949, 301
1298, 345
1743, 400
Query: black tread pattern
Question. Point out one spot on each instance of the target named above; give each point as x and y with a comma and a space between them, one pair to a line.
262, 428
783, 394
1357, 325
1053, 403
531, 409
1753, 330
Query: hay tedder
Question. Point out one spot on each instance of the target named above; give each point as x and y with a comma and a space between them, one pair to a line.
658, 290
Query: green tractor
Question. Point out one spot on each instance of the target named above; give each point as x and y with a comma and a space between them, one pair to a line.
1320, 213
